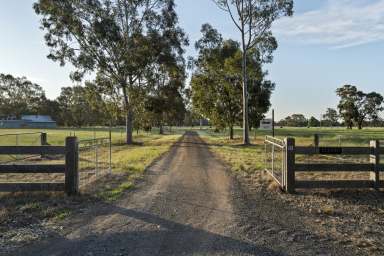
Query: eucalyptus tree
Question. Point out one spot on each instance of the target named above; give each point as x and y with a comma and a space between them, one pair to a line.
253, 19
216, 80
331, 117
165, 102
19, 96
355, 106
116, 39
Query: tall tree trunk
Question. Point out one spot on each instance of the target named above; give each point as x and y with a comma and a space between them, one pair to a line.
360, 125
129, 114
129, 127
231, 137
245, 97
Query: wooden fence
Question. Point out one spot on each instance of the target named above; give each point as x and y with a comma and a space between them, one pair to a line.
291, 167
69, 168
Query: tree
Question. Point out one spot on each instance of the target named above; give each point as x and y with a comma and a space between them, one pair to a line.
19, 96
330, 118
116, 39
216, 84
50, 108
166, 103
347, 106
76, 108
253, 18
356, 106
295, 120
373, 106
313, 122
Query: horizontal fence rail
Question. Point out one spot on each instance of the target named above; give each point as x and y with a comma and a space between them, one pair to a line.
32, 150
20, 168
69, 168
345, 167
31, 187
333, 150
290, 167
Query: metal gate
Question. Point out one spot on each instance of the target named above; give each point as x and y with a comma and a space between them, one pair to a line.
275, 160
95, 159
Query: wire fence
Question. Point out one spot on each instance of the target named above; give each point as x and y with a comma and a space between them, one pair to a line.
95, 159
19, 139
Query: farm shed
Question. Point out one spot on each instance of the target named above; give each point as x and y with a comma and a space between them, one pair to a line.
28, 121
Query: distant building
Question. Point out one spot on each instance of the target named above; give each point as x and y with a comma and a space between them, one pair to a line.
27, 121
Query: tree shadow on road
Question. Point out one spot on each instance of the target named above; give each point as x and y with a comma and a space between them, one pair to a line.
167, 238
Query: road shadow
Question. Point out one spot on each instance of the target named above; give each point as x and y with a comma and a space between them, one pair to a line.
170, 238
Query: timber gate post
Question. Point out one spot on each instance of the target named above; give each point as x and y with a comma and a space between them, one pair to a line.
316, 140
375, 160
43, 139
71, 166
290, 165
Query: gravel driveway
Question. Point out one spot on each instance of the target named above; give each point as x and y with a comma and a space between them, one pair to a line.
187, 204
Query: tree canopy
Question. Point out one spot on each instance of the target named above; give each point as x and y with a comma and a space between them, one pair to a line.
254, 19
19, 96
355, 106
216, 81
118, 40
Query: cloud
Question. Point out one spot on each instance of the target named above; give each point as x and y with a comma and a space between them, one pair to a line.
338, 24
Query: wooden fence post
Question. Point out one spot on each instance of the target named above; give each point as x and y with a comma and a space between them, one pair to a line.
71, 166
43, 139
290, 165
375, 160
316, 140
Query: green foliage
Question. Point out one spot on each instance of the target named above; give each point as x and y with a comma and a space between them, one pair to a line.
295, 120
330, 118
216, 81
19, 96
254, 21
313, 122
356, 106
79, 107
118, 40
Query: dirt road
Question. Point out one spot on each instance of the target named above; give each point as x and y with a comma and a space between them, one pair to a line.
187, 204
184, 208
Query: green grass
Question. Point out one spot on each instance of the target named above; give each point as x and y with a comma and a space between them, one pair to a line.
128, 164
57, 136
62, 214
251, 158
131, 161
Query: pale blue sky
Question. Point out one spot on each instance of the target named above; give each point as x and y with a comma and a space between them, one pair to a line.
326, 44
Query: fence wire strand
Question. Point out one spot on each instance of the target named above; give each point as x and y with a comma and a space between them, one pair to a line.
94, 159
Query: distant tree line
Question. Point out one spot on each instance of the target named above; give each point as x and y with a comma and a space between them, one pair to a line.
355, 108
87, 105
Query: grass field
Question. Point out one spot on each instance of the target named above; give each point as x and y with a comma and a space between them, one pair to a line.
132, 159
128, 164
57, 136
250, 159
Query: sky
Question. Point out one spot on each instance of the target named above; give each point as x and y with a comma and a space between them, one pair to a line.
326, 44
